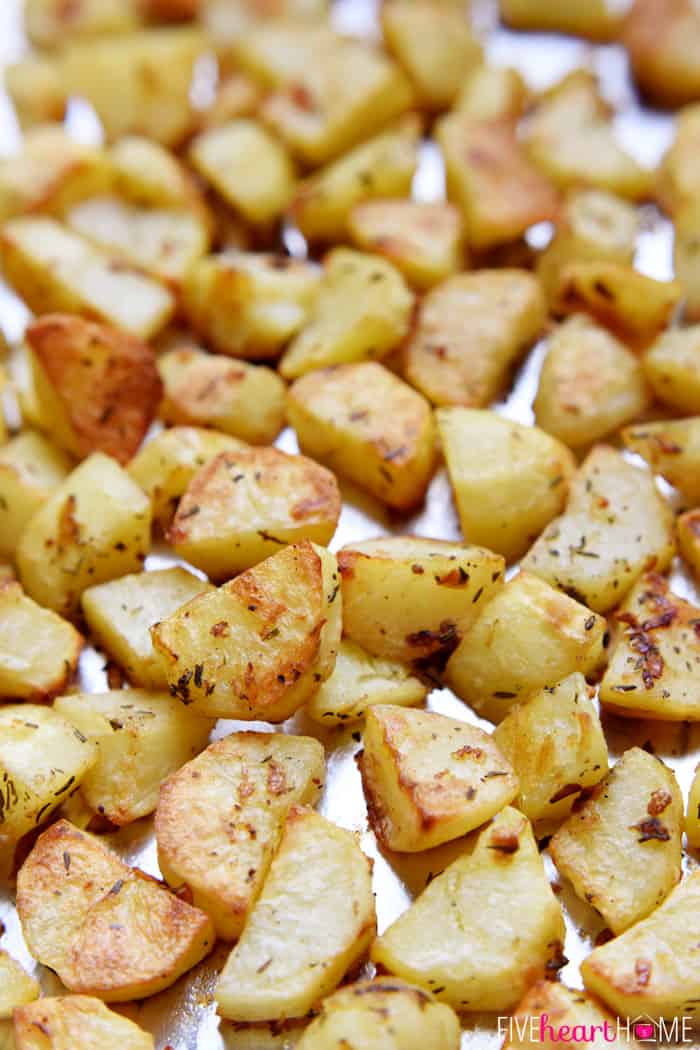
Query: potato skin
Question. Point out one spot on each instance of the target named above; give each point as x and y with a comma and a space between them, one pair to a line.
72, 1020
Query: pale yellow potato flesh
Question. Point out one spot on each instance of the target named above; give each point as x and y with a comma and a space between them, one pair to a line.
672, 368
692, 815
594, 19
66, 1022
672, 449
16, 986
688, 533
39, 650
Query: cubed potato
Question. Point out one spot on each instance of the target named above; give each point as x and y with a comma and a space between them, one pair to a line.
97, 388
672, 449
37, 90
549, 1008
621, 848
500, 192
50, 23
224, 862
232, 28
686, 259
138, 83
381, 168
313, 920
490, 92
120, 613
652, 968
410, 599
247, 167
363, 310
56, 270
141, 739
244, 401
363, 421
277, 52
434, 44
599, 20
76, 1020
590, 384
16, 986
678, 176
655, 655
94, 527
249, 305
692, 816
423, 240
470, 332
237, 95
662, 38
105, 928
616, 526
359, 681
30, 470
526, 638
38, 650
688, 533
556, 746
508, 480
147, 174
672, 368
429, 779
382, 1013
166, 464
485, 928
42, 762
260, 645
241, 507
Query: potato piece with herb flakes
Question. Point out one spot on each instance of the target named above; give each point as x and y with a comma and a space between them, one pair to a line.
616, 526
16, 986
662, 38
571, 1010
672, 449
220, 818
365, 422
313, 920
257, 647
526, 637
672, 368
39, 651
76, 1020
31, 468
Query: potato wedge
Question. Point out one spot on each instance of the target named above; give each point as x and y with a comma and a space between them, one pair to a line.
220, 818
37, 90
363, 421
470, 332
141, 738
616, 526
50, 23
672, 449
688, 533
692, 815
598, 20
105, 928
549, 1008
260, 645
16, 986
556, 746
662, 39
30, 470
483, 929
508, 480
410, 599
320, 881
672, 368
525, 638
241, 507
94, 527
76, 1020
38, 650
382, 1014
363, 311
590, 384
56, 271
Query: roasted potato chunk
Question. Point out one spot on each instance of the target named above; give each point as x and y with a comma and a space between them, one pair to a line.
662, 38
508, 480
105, 928
383, 1014
616, 526
320, 883
692, 816
470, 332
595, 19
237, 95
490, 92
363, 311
359, 681
98, 388
672, 368
556, 746
686, 259
550, 1007
141, 738
672, 449
526, 637
429, 779
260, 645
220, 818
94, 527
30, 470
49, 23
243, 506
37, 90
76, 1020
38, 650
363, 421
621, 848
688, 532
590, 384
408, 598
484, 928
678, 177
147, 174
56, 271
16, 986
243, 400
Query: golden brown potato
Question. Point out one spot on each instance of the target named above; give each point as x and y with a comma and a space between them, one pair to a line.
37, 90
594, 19
662, 38
50, 23
76, 1020
672, 449
223, 854
672, 368
241, 507
363, 421
678, 176
258, 646
38, 650
692, 815
549, 1008
470, 332
490, 92
30, 470
616, 526
147, 174
105, 928
688, 532
16, 986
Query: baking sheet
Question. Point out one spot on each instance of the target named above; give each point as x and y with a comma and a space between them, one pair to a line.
183, 1017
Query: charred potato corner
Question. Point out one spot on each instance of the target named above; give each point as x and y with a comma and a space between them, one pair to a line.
349, 524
